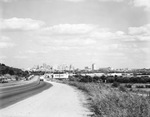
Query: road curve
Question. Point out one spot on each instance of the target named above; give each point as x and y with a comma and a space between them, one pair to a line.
7, 91
60, 100
13, 94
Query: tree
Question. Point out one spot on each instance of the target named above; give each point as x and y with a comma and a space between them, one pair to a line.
103, 78
11, 72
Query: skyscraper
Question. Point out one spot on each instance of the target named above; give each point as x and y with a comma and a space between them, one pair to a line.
93, 66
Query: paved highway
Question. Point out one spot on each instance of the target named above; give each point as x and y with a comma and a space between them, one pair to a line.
12, 94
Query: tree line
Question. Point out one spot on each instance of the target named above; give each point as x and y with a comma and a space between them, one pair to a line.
12, 71
110, 79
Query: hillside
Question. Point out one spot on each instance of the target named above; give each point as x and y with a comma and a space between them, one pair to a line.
12, 71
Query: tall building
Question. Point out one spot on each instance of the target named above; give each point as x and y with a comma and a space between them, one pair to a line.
71, 67
93, 66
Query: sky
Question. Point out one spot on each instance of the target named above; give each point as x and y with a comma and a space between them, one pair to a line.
109, 33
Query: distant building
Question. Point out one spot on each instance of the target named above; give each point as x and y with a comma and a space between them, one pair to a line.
107, 69
43, 67
71, 68
61, 76
57, 75
87, 68
93, 66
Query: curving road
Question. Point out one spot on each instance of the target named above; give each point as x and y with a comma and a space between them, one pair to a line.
60, 100
12, 94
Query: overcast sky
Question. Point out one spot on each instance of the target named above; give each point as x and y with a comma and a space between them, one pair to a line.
109, 33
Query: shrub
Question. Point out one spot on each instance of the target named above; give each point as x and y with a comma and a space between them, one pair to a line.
122, 88
123, 80
72, 78
96, 79
139, 86
128, 85
110, 79
115, 84
86, 79
120, 79
147, 86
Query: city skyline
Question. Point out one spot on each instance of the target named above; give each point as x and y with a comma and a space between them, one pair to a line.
109, 33
70, 67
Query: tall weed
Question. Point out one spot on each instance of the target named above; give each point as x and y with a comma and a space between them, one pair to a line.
110, 102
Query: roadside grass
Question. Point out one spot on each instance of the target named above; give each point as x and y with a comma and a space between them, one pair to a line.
114, 102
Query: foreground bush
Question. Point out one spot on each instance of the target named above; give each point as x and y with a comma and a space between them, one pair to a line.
122, 88
128, 85
115, 84
109, 102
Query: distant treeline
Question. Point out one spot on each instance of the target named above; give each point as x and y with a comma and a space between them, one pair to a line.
135, 72
12, 71
110, 79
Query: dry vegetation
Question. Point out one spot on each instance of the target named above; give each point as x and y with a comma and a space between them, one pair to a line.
114, 102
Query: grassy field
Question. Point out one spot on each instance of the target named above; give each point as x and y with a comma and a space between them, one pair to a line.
114, 102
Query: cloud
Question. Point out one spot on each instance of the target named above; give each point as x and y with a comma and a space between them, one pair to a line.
80, 36
110, 0
136, 3
107, 35
142, 30
8, 1
69, 0
142, 33
5, 42
2, 58
98, 0
66, 44
102, 35
36, 51
5, 45
134, 34
69, 29
5, 0
60, 48
20, 24
21, 57
142, 3
4, 38
74, 0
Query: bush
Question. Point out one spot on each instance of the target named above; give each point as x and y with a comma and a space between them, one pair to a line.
110, 79
140, 86
122, 88
128, 85
72, 78
120, 79
115, 84
147, 86
96, 79
123, 80
86, 79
